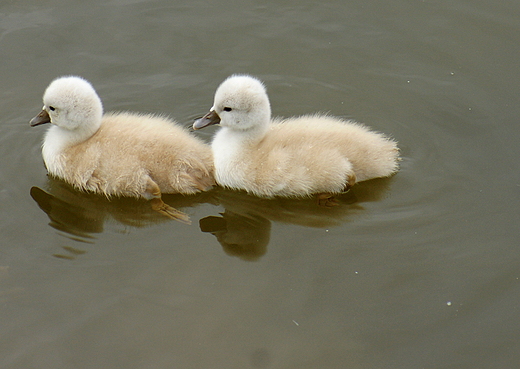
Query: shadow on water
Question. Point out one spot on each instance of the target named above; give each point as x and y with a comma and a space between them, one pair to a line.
243, 229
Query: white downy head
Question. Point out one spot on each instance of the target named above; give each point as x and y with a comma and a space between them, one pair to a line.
72, 104
240, 104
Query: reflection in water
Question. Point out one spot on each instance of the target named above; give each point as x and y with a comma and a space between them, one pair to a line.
244, 235
79, 214
71, 253
244, 228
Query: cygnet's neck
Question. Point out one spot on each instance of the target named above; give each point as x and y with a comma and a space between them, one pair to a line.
255, 133
57, 139
80, 133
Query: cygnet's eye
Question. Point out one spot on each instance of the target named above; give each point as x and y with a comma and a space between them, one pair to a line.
52, 108
227, 108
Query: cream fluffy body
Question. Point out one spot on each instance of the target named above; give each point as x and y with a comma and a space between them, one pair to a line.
291, 157
126, 152
119, 154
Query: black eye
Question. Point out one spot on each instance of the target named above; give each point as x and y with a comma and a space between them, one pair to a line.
52, 108
227, 108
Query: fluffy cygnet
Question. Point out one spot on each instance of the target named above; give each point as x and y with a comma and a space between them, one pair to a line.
301, 156
119, 154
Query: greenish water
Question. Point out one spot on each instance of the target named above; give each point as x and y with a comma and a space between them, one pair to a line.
417, 271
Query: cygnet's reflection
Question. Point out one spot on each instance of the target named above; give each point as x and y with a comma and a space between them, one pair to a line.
244, 228
243, 235
81, 214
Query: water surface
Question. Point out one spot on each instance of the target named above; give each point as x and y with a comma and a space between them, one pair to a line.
420, 270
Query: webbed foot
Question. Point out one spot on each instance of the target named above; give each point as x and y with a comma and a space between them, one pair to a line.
326, 199
170, 212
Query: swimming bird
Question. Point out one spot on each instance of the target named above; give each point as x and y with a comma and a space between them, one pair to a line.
294, 157
119, 154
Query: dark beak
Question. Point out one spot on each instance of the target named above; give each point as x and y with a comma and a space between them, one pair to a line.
41, 118
207, 120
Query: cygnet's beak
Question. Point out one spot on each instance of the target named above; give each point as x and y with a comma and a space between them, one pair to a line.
207, 120
41, 118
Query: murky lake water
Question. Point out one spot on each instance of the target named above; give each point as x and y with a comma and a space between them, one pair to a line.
421, 270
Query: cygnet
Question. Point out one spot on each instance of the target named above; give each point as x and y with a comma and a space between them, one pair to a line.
119, 154
294, 157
